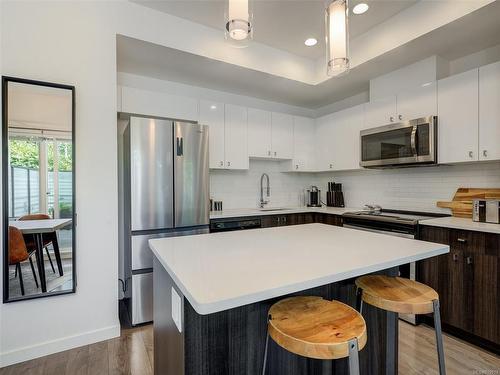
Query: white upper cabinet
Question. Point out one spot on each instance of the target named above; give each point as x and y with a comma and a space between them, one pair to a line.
152, 103
236, 137
303, 144
324, 142
416, 103
282, 136
259, 133
381, 112
346, 151
458, 117
212, 114
489, 112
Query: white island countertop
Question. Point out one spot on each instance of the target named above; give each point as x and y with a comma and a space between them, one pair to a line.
221, 271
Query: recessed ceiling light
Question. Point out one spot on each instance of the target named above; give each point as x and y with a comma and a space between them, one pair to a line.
213, 107
360, 8
311, 42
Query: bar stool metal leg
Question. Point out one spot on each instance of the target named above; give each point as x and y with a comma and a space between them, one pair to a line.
439, 337
353, 357
265, 352
359, 300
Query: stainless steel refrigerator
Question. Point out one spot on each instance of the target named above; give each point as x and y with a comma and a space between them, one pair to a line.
165, 193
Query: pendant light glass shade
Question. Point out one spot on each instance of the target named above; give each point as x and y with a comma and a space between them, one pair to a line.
337, 38
239, 27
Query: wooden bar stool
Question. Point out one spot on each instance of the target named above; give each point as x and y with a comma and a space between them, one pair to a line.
403, 296
317, 328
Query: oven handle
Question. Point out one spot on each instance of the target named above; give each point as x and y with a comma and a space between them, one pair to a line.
413, 140
395, 234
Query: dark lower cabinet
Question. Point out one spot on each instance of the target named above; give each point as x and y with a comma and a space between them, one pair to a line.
329, 219
301, 218
467, 281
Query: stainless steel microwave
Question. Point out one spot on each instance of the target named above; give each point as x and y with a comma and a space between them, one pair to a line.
406, 143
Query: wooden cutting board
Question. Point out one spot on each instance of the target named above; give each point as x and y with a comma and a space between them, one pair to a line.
461, 205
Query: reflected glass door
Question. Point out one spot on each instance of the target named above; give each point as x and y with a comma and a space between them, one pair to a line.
24, 176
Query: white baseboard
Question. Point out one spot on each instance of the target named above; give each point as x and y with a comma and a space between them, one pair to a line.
59, 345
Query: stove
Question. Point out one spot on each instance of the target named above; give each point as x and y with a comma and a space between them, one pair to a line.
404, 223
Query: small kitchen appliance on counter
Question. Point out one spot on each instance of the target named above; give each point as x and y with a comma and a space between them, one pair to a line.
334, 195
313, 197
486, 210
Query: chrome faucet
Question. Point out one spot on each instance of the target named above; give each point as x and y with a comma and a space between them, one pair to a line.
263, 202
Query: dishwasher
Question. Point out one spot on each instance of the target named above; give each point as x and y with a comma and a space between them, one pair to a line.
226, 225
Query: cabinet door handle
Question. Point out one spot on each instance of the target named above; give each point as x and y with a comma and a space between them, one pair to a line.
461, 240
284, 219
278, 219
485, 153
274, 153
296, 166
391, 119
331, 166
228, 163
469, 260
269, 153
400, 117
454, 257
221, 163
471, 154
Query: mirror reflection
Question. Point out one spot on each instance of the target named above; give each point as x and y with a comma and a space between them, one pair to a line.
38, 127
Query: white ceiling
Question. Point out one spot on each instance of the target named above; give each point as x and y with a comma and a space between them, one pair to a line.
474, 32
283, 24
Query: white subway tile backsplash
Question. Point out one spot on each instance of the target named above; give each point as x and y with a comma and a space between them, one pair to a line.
407, 189
413, 188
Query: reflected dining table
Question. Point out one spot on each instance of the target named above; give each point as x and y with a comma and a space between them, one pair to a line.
37, 228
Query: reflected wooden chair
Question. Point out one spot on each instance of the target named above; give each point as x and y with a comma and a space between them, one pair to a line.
403, 296
48, 238
314, 327
18, 253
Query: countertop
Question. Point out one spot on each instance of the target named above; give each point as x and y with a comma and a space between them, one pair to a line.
461, 223
220, 271
242, 212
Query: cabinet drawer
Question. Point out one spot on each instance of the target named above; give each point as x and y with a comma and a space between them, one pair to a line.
468, 241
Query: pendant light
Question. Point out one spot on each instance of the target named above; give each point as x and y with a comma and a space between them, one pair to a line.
239, 27
337, 38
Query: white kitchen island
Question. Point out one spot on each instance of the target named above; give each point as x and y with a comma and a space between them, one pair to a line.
227, 281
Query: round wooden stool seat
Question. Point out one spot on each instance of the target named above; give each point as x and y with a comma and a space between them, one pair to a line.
316, 328
397, 294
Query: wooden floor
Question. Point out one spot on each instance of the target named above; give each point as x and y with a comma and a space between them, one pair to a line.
132, 353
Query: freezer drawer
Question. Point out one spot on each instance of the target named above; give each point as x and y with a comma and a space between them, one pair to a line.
142, 298
142, 257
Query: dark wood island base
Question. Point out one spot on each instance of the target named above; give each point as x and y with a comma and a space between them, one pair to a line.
232, 341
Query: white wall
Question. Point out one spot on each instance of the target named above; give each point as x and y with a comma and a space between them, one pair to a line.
412, 188
175, 88
475, 60
71, 43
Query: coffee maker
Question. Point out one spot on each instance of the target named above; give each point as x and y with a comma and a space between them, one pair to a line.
313, 197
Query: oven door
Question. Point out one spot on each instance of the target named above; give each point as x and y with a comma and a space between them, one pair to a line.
410, 142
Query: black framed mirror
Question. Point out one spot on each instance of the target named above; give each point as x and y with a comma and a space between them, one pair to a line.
38, 187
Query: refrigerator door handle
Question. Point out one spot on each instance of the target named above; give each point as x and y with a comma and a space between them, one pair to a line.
180, 146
